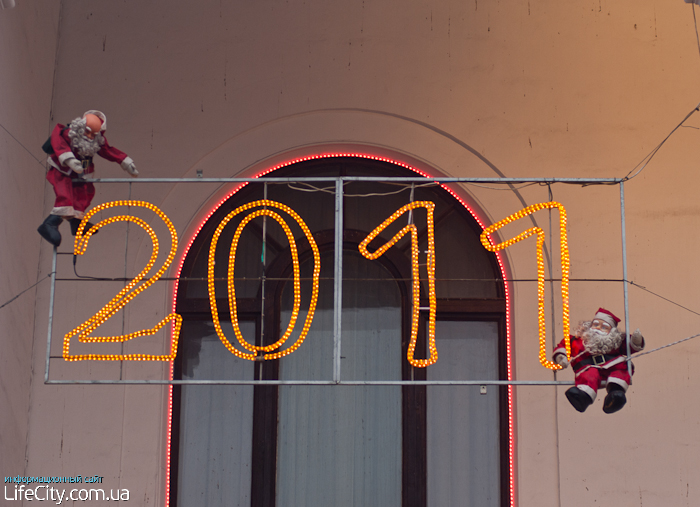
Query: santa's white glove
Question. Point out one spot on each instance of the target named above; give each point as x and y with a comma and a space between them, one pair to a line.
637, 340
561, 360
75, 165
129, 166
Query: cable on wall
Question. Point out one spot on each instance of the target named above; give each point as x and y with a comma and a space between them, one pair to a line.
40, 162
25, 290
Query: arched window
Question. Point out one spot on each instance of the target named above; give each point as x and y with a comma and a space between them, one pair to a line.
353, 444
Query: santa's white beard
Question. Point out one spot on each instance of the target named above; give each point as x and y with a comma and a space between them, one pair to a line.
599, 342
80, 144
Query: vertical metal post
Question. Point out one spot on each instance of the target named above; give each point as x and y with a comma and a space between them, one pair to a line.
263, 260
550, 197
51, 297
411, 197
553, 327
126, 264
624, 273
338, 280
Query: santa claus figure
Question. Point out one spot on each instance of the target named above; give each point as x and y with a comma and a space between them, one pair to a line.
71, 151
599, 357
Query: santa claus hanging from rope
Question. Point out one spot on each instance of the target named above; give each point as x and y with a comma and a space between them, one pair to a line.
599, 357
71, 149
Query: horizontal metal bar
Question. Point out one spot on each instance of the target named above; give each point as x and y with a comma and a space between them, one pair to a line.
324, 382
378, 179
327, 278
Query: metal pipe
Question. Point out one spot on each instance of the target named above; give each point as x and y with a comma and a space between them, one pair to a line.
338, 281
410, 222
51, 297
324, 382
287, 279
550, 197
379, 179
263, 260
624, 275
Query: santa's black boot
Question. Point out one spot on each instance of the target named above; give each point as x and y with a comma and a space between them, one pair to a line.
578, 399
75, 223
49, 229
615, 399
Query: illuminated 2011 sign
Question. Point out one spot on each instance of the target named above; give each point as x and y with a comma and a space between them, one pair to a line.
415, 273
232, 290
128, 293
565, 265
274, 351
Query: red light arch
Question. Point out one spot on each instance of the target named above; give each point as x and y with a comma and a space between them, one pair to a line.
352, 154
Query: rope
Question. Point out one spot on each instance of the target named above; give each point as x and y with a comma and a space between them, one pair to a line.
662, 347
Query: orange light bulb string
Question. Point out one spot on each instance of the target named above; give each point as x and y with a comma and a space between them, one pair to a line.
231, 278
415, 314
565, 268
129, 292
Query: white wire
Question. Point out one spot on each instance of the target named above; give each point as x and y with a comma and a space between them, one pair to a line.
328, 190
510, 188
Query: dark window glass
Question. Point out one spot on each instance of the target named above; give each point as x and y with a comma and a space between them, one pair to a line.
347, 445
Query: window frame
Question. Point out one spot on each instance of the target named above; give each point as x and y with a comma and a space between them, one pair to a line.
414, 398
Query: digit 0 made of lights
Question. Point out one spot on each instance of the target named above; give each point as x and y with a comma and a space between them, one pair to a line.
127, 293
232, 291
430, 207
565, 265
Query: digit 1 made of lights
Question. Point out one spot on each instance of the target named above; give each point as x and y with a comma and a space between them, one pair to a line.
430, 207
128, 293
254, 349
486, 241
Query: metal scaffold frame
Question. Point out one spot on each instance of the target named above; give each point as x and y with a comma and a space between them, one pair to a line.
339, 181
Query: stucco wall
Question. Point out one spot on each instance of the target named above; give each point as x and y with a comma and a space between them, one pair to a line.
28, 37
537, 89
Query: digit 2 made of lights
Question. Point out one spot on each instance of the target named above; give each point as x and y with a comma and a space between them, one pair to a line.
232, 291
486, 241
430, 207
128, 293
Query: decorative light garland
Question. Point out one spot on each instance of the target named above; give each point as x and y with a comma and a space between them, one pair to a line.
232, 291
565, 267
430, 207
127, 293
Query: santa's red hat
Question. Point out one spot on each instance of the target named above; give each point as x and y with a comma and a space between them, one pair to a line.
607, 316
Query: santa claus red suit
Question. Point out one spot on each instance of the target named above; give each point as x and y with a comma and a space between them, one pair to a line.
599, 357
71, 151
